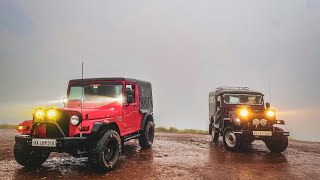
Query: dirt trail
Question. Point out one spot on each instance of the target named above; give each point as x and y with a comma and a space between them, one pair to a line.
175, 156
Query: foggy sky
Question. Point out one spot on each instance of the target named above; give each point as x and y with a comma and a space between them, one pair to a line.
185, 48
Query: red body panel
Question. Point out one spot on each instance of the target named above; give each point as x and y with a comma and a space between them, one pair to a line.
127, 117
27, 124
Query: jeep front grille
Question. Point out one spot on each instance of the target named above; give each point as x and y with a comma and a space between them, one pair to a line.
63, 122
53, 129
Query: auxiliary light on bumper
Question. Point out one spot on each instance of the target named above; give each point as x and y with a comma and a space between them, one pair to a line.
41, 114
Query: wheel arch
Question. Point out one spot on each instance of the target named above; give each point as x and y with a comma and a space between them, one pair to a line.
211, 119
100, 127
227, 123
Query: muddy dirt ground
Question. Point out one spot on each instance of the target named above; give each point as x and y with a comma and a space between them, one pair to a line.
175, 156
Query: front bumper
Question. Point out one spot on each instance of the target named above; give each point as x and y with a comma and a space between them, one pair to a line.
65, 144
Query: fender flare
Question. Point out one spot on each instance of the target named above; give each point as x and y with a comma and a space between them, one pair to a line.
226, 122
146, 116
99, 126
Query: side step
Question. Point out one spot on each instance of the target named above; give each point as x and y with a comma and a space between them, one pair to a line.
131, 136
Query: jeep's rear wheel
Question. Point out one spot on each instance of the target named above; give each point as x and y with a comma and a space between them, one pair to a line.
25, 156
277, 145
210, 129
147, 136
106, 152
230, 140
215, 135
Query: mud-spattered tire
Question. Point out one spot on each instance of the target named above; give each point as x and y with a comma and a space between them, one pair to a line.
27, 157
147, 135
230, 140
278, 145
210, 129
215, 135
106, 152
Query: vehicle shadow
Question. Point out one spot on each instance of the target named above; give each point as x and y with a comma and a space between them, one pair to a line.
60, 166
257, 152
250, 162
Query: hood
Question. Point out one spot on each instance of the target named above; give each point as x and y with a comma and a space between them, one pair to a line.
93, 113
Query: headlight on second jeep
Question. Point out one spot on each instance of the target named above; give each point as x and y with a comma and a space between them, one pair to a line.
75, 120
244, 113
271, 113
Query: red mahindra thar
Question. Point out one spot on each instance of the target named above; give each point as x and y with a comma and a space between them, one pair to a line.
99, 116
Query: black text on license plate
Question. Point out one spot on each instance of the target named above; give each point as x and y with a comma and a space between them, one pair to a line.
262, 133
44, 142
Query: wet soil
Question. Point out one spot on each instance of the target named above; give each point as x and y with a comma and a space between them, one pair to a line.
175, 156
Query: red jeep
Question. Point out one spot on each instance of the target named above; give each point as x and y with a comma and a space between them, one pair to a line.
98, 117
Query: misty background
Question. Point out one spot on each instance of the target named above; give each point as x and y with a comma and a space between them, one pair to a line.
185, 48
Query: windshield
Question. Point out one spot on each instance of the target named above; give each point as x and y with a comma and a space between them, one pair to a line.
246, 99
95, 92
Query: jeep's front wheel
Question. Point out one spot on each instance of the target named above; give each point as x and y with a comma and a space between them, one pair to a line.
277, 145
147, 136
230, 140
27, 157
106, 152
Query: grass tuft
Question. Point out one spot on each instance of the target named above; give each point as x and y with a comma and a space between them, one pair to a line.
7, 126
175, 130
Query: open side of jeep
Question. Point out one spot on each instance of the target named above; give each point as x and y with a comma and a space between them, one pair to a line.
99, 116
241, 116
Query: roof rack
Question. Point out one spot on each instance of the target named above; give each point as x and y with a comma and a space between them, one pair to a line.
231, 88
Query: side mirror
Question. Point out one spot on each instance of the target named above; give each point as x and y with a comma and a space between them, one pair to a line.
218, 104
267, 105
65, 101
130, 99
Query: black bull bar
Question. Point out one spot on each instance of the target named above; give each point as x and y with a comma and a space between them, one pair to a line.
63, 143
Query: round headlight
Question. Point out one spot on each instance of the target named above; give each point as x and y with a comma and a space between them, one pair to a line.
74, 120
39, 113
255, 122
271, 113
244, 113
51, 114
263, 122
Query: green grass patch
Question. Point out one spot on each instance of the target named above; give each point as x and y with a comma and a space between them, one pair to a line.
7, 126
175, 130
291, 139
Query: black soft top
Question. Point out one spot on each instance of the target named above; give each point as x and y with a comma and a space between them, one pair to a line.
145, 89
233, 90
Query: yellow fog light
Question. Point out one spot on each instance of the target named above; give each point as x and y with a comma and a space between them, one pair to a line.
244, 113
271, 113
39, 113
51, 114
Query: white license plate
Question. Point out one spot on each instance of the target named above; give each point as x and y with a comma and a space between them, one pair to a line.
44, 142
262, 133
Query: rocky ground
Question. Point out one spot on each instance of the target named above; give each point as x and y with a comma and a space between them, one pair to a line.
175, 156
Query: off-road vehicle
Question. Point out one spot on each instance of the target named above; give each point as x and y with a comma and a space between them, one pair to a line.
241, 116
99, 116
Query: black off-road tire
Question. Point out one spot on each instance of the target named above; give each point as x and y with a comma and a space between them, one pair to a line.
277, 145
215, 135
146, 136
106, 152
210, 129
27, 157
230, 140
